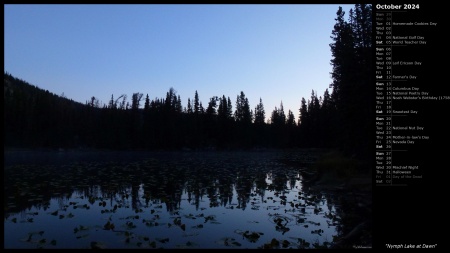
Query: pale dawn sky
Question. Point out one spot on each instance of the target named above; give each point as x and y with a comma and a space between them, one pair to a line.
276, 52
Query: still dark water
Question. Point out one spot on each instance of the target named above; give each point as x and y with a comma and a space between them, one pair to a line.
166, 200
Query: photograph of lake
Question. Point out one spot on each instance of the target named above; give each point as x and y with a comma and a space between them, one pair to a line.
182, 126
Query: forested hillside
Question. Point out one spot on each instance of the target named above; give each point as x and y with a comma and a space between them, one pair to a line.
340, 118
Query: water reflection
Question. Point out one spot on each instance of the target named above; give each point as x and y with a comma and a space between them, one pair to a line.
181, 200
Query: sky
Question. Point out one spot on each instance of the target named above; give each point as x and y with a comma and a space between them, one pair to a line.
278, 53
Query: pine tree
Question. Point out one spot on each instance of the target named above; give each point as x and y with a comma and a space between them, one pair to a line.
303, 112
290, 119
111, 102
196, 104
189, 106
211, 109
260, 114
229, 111
201, 110
222, 110
123, 104
351, 79
147, 103
281, 114
278, 117
135, 100
178, 107
242, 113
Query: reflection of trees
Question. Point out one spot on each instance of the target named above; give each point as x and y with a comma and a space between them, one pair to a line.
135, 184
244, 185
211, 191
225, 187
28, 186
260, 184
173, 191
279, 180
163, 184
157, 182
135, 201
198, 183
37, 185
143, 183
292, 178
193, 189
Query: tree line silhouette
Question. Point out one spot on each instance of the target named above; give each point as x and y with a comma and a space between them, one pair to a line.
340, 119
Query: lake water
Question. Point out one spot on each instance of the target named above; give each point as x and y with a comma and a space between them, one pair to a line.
166, 200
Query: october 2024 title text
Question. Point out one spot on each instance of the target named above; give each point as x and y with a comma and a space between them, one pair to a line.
397, 6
